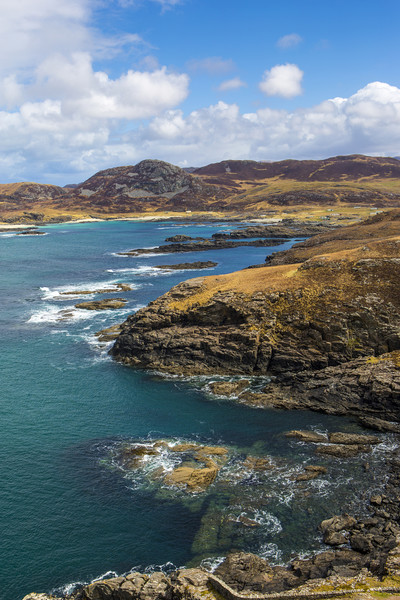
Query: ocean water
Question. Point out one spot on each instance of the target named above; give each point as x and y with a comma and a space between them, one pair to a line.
67, 514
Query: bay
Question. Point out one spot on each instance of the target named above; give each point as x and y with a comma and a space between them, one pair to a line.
65, 514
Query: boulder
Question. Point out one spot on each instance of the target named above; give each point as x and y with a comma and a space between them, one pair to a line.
228, 388
341, 451
194, 479
352, 438
108, 304
306, 436
109, 333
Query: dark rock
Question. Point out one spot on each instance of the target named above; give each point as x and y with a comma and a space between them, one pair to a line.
109, 333
245, 572
201, 246
334, 538
360, 543
193, 265
182, 238
338, 523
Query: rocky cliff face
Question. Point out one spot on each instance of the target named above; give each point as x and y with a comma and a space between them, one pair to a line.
322, 313
327, 329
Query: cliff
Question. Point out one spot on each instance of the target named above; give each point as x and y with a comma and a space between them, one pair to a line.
328, 318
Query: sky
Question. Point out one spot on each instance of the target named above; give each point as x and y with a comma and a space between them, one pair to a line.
87, 85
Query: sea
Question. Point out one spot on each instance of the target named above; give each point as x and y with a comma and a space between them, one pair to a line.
69, 513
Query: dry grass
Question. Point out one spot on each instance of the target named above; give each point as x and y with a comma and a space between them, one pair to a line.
289, 277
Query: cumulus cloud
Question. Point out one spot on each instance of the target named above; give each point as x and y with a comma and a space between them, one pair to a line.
282, 80
53, 103
30, 31
53, 136
213, 65
92, 94
231, 84
367, 122
289, 41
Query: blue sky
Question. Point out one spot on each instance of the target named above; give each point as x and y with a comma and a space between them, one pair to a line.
92, 84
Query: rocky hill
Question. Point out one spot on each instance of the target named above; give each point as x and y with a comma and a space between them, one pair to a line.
151, 183
230, 187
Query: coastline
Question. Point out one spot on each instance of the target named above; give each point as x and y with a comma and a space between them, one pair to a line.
111, 588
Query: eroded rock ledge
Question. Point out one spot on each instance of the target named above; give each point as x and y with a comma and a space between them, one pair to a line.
269, 320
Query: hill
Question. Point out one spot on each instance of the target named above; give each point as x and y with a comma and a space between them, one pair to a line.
235, 188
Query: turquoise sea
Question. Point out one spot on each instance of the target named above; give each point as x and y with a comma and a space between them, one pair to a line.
68, 514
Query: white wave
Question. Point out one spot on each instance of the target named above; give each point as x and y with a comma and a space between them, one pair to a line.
268, 520
94, 287
387, 445
211, 564
145, 271
7, 235
106, 575
67, 589
52, 314
152, 254
271, 552
166, 568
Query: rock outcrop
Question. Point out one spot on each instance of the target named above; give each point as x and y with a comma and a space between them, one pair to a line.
205, 264
108, 304
202, 246
332, 311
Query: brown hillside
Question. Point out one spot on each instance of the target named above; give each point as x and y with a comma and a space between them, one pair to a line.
383, 226
236, 188
351, 168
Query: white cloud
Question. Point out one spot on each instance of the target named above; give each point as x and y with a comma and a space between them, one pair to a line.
30, 31
44, 138
213, 65
289, 41
92, 94
282, 80
231, 84
165, 4
367, 122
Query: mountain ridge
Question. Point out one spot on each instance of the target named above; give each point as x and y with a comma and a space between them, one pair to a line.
234, 187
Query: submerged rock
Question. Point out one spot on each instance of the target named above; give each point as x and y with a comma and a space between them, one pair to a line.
109, 333
311, 472
352, 438
108, 304
121, 287
306, 436
228, 388
195, 466
342, 451
207, 264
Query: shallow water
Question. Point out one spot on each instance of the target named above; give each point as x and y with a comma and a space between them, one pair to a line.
65, 514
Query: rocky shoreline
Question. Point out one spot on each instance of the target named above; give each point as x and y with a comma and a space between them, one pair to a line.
326, 331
